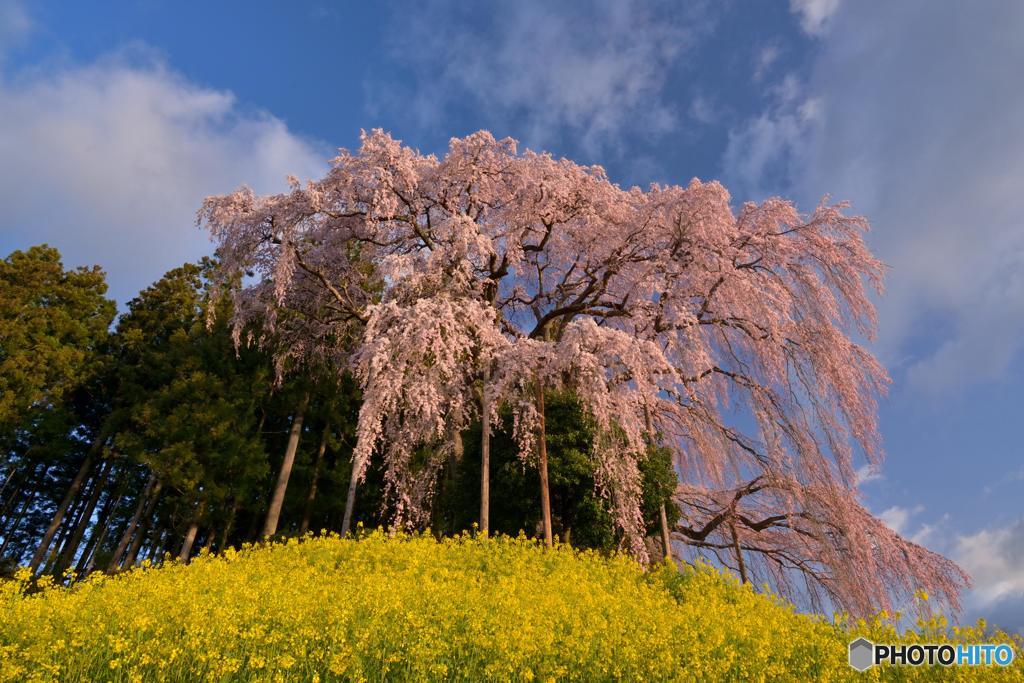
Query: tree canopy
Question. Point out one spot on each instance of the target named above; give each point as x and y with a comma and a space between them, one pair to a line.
727, 334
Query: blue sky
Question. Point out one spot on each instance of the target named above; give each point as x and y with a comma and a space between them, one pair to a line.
116, 120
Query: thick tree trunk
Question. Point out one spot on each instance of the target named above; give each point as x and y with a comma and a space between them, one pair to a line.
545, 498
485, 468
144, 504
62, 509
277, 498
67, 555
311, 495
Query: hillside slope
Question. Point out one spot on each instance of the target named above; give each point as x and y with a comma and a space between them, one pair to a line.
411, 608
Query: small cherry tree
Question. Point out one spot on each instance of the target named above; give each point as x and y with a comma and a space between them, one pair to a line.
729, 335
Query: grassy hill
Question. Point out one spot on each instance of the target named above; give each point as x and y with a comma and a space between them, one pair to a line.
411, 608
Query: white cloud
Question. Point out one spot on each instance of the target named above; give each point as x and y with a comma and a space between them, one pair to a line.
994, 558
814, 15
898, 517
868, 473
912, 112
110, 161
593, 70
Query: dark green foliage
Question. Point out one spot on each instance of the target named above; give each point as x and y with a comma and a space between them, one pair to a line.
53, 323
579, 513
168, 401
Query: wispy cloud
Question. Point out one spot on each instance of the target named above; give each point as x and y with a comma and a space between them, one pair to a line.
868, 473
764, 60
15, 25
591, 70
814, 15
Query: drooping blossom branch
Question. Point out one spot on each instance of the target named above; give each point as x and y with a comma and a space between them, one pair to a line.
733, 333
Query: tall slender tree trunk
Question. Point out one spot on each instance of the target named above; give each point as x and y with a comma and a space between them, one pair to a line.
67, 555
13, 528
17, 495
226, 533
311, 495
62, 509
99, 534
485, 467
545, 497
9, 476
72, 521
24, 490
739, 552
143, 504
190, 534
445, 514
666, 539
156, 543
350, 498
277, 498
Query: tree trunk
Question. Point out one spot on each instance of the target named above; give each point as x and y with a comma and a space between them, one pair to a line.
311, 496
8, 478
14, 527
666, 540
154, 551
67, 555
99, 535
739, 552
446, 524
545, 498
277, 499
190, 535
144, 504
72, 520
485, 468
350, 498
62, 509
227, 527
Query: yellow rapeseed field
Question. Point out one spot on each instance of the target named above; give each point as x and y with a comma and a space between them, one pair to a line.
412, 608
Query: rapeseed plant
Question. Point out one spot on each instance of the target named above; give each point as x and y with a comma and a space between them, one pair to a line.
385, 608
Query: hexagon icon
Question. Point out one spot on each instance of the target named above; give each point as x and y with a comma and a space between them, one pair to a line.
862, 654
